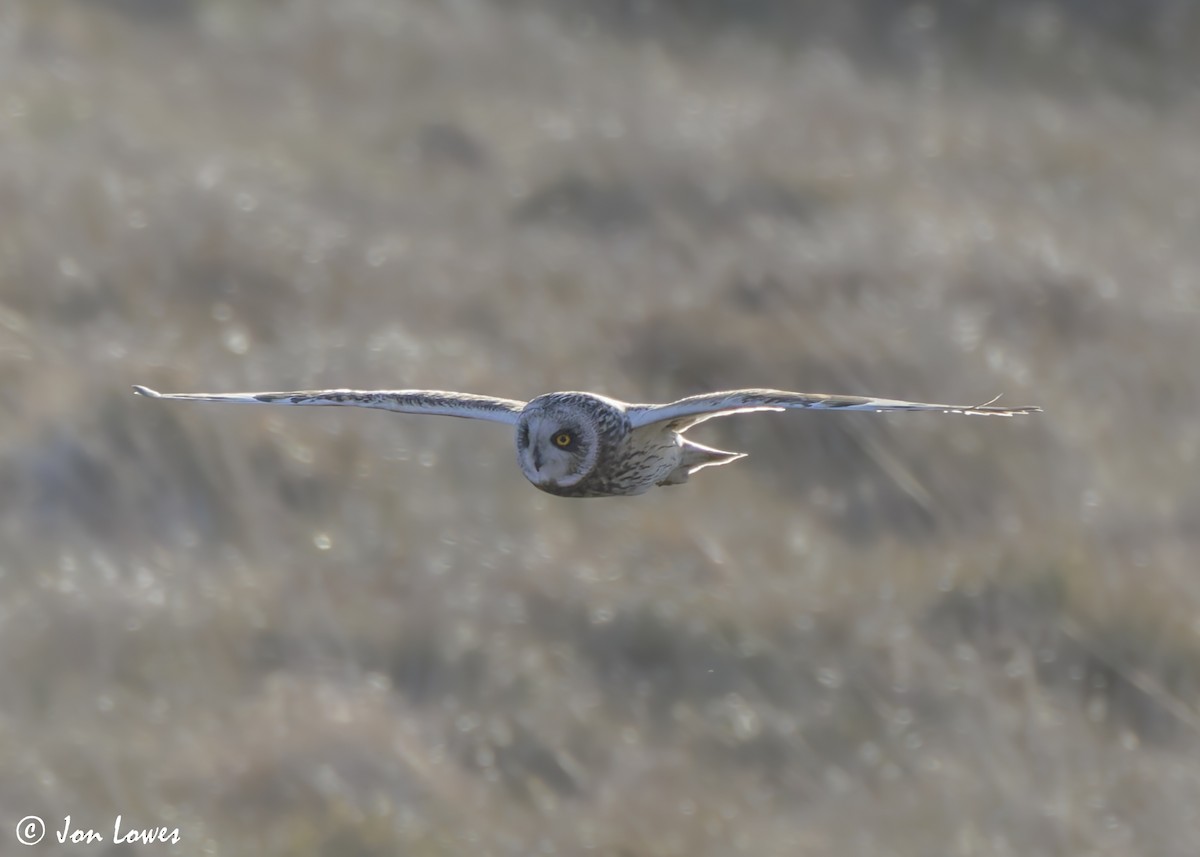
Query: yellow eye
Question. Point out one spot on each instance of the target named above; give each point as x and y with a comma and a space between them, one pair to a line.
562, 439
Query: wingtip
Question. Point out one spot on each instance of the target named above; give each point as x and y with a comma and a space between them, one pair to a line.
147, 392
1004, 412
989, 408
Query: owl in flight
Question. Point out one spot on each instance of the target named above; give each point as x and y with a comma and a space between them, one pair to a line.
585, 445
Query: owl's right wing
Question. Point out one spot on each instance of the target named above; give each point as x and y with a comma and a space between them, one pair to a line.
435, 402
696, 409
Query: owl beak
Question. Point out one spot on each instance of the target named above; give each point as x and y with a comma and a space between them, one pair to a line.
537, 458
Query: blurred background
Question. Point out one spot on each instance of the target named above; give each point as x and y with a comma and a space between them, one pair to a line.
339, 632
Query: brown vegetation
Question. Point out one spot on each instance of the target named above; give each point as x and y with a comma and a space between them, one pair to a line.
316, 632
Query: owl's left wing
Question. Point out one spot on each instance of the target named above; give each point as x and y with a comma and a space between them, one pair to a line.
685, 413
436, 402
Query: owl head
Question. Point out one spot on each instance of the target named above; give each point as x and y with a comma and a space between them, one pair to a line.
563, 437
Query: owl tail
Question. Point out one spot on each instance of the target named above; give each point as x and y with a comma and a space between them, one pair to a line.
695, 457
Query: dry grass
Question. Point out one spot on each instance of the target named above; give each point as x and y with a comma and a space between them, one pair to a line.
319, 633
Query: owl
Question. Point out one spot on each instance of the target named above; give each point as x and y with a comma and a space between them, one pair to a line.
587, 445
